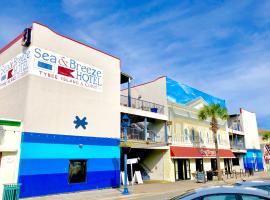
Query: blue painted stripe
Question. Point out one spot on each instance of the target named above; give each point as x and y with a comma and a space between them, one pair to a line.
44, 151
68, 139
38, 185
56, 166
44, 65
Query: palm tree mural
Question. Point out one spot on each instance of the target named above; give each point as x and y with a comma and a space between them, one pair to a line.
214, 112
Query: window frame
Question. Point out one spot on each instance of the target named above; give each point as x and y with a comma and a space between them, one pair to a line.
85, 171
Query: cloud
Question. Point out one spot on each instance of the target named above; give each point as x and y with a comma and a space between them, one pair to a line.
214, 48
220, 47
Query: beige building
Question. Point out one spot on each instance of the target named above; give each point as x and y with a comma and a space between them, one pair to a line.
189, 147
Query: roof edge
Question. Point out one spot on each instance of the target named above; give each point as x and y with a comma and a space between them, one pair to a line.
3, 49
146, 82
38, 23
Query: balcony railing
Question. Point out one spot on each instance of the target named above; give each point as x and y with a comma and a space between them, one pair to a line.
238, 145
137, 134
235, 126
142, 105
196, 141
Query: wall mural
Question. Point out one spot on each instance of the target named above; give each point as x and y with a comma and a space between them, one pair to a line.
183, 94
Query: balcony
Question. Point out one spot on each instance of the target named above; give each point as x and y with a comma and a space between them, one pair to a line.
239, 145
139, 134
196, 141
142, 105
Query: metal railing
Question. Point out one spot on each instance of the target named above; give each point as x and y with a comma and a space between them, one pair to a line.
235, 126
238, 145
196, 140
142, 105
139, 134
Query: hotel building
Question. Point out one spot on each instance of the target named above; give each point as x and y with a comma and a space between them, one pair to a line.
66, 94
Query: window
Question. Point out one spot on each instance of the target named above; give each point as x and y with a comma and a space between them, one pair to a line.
235, 161
213, 164
186, 133
208, 138
193, 135
201, 137
251, 197
77, 171
220, 197
199, 165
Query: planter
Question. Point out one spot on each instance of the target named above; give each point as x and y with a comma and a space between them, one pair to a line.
125, 150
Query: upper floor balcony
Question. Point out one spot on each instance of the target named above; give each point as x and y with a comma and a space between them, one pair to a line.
139, 134
142, 105
237, 143
197, 141
234, 124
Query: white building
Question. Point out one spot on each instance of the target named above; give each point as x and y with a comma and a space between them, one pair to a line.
67, 96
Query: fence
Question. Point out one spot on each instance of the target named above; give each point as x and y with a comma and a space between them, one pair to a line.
142, 105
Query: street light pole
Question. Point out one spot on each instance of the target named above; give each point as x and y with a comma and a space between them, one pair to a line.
125, 125
125, 192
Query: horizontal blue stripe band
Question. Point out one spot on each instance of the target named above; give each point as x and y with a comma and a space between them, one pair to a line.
68, 139
38, 185
44, 65
55, 166
45, 151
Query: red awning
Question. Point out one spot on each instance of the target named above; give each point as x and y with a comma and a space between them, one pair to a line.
191, 152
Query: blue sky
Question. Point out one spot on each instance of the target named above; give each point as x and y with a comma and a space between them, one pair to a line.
220, 47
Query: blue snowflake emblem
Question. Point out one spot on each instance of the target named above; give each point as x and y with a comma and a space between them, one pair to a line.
80, 122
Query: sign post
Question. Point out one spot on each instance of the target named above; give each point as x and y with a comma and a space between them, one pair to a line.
125, 125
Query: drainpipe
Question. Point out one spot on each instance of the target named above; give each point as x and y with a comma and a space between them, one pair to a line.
129, 93
145, 128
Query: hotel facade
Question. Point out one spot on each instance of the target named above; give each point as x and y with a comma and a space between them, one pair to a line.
66, 96
60, 120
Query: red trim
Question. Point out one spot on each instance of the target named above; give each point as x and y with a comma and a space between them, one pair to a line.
75, 40
10, 43
241, 110
145, 83
191, 152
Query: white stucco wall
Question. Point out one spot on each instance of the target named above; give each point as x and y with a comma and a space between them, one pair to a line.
50, 106
155, 162
154, 91
250, 129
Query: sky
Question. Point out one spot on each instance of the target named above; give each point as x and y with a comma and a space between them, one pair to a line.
219, 47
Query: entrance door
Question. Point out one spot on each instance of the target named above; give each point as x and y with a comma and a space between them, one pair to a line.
228, 165
199, 165
214, 164
182, 169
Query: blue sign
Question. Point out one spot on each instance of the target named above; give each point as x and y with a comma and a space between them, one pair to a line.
80, 122
125, 121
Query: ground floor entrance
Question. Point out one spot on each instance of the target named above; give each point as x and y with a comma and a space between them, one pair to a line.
182, 169
150, 163
228, 165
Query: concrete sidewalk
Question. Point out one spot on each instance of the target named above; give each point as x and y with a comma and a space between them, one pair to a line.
147, 191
